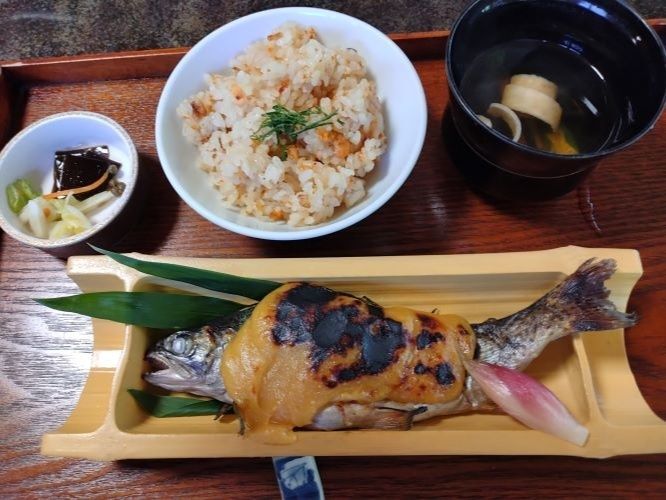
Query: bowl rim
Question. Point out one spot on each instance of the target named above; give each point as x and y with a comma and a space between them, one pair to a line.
326, 227
594, 155
115, 209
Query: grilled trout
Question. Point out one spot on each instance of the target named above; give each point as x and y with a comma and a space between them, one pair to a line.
307, 356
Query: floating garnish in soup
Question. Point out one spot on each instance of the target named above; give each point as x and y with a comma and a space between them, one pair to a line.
84, 180
541, 95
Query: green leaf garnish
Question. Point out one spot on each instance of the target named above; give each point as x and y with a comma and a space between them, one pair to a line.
286, 124
246, 287
148, 309
171, 406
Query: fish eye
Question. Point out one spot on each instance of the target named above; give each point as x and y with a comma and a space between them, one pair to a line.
179, 346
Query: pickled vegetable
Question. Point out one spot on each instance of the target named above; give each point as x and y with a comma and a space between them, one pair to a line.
83, 172
19, 193
84, 180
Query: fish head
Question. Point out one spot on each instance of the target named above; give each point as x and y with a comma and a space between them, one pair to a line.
189, 361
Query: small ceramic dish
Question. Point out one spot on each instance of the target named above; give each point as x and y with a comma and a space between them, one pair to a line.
29, 155
398, 87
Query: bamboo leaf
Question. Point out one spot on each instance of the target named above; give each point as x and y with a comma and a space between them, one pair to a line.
149, 309
171, 406
221, 282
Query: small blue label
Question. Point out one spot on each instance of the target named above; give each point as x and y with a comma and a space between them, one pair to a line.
298, 478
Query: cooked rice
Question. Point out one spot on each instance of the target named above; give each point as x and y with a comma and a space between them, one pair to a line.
324, 169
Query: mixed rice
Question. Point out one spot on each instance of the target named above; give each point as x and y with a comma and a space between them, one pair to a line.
302, 183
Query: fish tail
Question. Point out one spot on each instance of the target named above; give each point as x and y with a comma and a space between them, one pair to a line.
577, 304
585, 295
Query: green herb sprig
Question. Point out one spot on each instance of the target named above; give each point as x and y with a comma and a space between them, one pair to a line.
286, 124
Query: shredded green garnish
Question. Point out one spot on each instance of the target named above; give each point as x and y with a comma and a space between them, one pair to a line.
287, 124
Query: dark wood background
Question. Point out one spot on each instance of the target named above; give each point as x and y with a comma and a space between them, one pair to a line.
45, 355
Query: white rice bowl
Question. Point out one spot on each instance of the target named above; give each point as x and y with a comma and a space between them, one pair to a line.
299, 182
318, 198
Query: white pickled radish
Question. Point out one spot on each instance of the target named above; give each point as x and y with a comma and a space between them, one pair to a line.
95, 201
61, 217
527, 400
34, 214
75, 219
61, 230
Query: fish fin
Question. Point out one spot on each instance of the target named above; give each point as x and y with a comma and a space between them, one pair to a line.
361, 416
585, 288
225, 409
389, 418
241, 422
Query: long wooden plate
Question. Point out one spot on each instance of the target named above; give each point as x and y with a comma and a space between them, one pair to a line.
590, 372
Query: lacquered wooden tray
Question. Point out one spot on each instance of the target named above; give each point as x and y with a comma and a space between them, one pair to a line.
434, 213
590, 372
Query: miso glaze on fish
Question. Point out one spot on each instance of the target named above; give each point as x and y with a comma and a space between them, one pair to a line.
308, 356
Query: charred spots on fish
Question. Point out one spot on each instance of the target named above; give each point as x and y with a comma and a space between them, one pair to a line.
292, 326
333, 325
330, 328
331, 383
307, 295
427, 322
298, 312
340, 374
302, 313
348, 374
427, 338
420, 369
379, 349
379, 340
373, 308
444, 374
335, 333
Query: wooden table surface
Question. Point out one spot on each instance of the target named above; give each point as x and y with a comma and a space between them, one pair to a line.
45, 355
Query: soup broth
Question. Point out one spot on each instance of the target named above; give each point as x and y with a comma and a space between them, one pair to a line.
589, 117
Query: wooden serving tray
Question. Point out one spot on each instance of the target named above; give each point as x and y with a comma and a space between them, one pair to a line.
433, 213
589, 373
